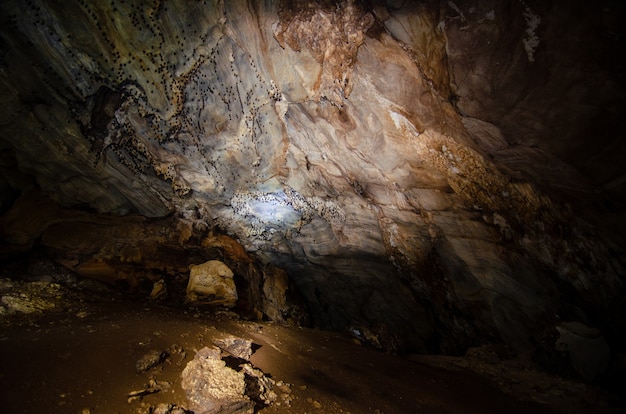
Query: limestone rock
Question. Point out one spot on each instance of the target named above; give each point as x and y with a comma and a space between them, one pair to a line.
165, 408
159, 291
18, 297
149, 360
332, 36
212, 282
414, 168
259, 387
277, 307
212, 387
237, 347
152, 387
125, 251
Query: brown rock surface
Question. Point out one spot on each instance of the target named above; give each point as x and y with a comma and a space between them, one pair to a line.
439, 175
213, 282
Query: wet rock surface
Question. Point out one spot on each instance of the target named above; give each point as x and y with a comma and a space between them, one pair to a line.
433, 176
83, 359
520, 375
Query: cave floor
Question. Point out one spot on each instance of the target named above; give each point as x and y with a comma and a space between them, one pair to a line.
81, 358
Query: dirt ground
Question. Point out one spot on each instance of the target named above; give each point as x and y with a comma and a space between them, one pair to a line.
79, 356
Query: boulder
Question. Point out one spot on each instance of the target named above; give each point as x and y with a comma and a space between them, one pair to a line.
259, 387
212, 282
212, 387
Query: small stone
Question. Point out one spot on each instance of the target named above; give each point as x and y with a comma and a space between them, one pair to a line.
150, 360
284, 388
314, 403
151, 388
238, 347
164, 408
159, 291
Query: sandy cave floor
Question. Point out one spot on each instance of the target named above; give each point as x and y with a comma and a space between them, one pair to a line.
79, 356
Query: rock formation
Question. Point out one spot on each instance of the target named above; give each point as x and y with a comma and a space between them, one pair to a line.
213, 282
438, 175
213, 387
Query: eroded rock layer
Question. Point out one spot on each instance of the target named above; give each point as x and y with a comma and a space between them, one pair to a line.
411, 167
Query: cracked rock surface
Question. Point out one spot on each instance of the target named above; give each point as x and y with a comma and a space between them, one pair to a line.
436, 176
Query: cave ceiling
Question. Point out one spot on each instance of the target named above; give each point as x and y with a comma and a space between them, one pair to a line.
416, 168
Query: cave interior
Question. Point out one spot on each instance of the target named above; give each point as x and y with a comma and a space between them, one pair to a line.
433, 179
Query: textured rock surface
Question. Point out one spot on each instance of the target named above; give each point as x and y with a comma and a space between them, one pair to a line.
149, 360
134, 254
37, 298
212, 387
212, 282
437, 175
237, 347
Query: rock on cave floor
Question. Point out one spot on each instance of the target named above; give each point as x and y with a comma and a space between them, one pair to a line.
81, 357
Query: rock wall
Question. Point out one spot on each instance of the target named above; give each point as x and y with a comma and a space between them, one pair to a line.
407, 165
133, 253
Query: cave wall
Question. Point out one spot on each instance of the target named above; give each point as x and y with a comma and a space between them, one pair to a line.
428, 175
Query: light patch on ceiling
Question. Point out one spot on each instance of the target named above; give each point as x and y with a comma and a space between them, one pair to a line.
265, 212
